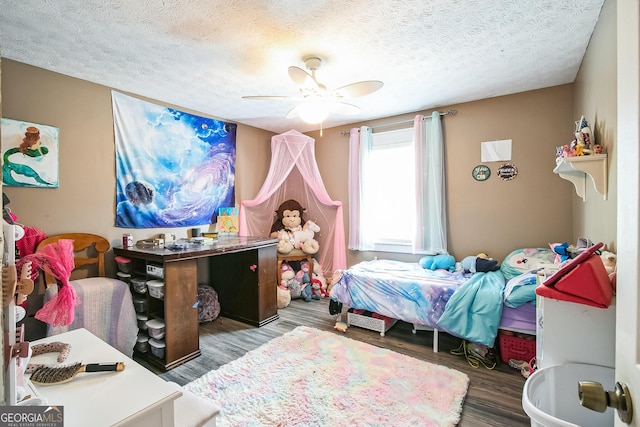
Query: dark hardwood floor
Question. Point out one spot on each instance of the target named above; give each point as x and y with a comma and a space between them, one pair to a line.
493, 399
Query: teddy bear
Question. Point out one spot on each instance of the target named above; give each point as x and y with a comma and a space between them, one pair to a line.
283, 294
289, 221
432, 262
609, 259
288, 278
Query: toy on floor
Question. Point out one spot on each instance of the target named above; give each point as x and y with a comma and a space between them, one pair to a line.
305, 282
283, 297
288, 279
341, 326
319, 276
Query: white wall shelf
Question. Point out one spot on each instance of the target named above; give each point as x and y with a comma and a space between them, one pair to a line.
576, 169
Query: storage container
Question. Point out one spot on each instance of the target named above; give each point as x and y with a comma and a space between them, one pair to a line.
156, 288
142, 343
518, 347
124, 264
140, 303
380, 324
155, 328
142, 321
125, 277
157, 347
550, 396
139, 285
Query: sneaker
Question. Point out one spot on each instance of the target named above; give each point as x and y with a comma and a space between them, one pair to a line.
335, 307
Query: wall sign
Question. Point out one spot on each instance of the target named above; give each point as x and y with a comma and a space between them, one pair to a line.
481, 173
507, 171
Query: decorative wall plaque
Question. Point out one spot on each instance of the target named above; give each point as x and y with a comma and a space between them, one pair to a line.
507, 171
481, 173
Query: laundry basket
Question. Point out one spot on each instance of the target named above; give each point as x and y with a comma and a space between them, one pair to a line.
550, 396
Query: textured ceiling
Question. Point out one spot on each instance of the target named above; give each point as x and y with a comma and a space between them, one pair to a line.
205, 55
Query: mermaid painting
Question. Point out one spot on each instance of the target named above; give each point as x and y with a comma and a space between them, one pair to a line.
25, 165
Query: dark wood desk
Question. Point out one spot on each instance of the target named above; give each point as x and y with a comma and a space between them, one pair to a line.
241, 269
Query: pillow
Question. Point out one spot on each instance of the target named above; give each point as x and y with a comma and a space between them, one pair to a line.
524, 260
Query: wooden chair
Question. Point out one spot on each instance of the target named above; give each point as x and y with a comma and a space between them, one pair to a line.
106, 308
89, 250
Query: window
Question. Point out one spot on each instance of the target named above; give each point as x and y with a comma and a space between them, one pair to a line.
388, 190
397, 189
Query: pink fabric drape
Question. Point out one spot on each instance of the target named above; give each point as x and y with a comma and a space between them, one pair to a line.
57, 260
294, 174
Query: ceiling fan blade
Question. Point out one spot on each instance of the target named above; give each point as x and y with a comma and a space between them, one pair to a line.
272, 98
299, 76
355, 90
316, 111
338, 107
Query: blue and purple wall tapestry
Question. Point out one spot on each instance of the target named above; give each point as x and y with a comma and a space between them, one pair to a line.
29, 154
173, 169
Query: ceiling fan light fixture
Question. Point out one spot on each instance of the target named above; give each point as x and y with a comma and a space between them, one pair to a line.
312, 112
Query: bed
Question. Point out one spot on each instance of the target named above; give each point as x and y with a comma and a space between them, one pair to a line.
106, 307
466, 305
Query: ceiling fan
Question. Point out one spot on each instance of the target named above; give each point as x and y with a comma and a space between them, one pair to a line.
318, 100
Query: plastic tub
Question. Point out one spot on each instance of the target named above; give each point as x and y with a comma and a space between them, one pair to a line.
142, 343
124, 264
155, 328
156, 288
139, 285
125, 277
550, 396
142, 321
157, 347
140, 303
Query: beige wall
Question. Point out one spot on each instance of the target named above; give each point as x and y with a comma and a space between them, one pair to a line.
595, 97
493, 216
85, 199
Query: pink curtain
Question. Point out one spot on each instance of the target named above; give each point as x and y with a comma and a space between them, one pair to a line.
293, 174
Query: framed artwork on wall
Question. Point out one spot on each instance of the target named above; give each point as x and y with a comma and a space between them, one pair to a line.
29, 154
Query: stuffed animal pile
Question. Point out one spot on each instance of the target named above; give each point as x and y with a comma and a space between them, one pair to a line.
300, 284
292, 231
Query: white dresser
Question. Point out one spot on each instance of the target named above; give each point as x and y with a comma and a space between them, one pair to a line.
133, 397
568, 332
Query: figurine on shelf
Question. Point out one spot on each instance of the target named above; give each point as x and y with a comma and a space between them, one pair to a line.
583, 135
597, 149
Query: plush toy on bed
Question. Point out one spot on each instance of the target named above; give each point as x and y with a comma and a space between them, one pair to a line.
289, 221
443, 261
480, 264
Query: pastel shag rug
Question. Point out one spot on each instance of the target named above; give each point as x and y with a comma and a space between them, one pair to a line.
309, 377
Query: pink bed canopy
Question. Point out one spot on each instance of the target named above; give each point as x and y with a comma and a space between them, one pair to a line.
294, 174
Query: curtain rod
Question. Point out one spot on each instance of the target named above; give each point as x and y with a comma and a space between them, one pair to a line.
446, 113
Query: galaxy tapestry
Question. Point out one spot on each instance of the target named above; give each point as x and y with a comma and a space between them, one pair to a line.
173, 169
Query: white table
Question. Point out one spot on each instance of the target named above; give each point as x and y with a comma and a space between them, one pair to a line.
133, 397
